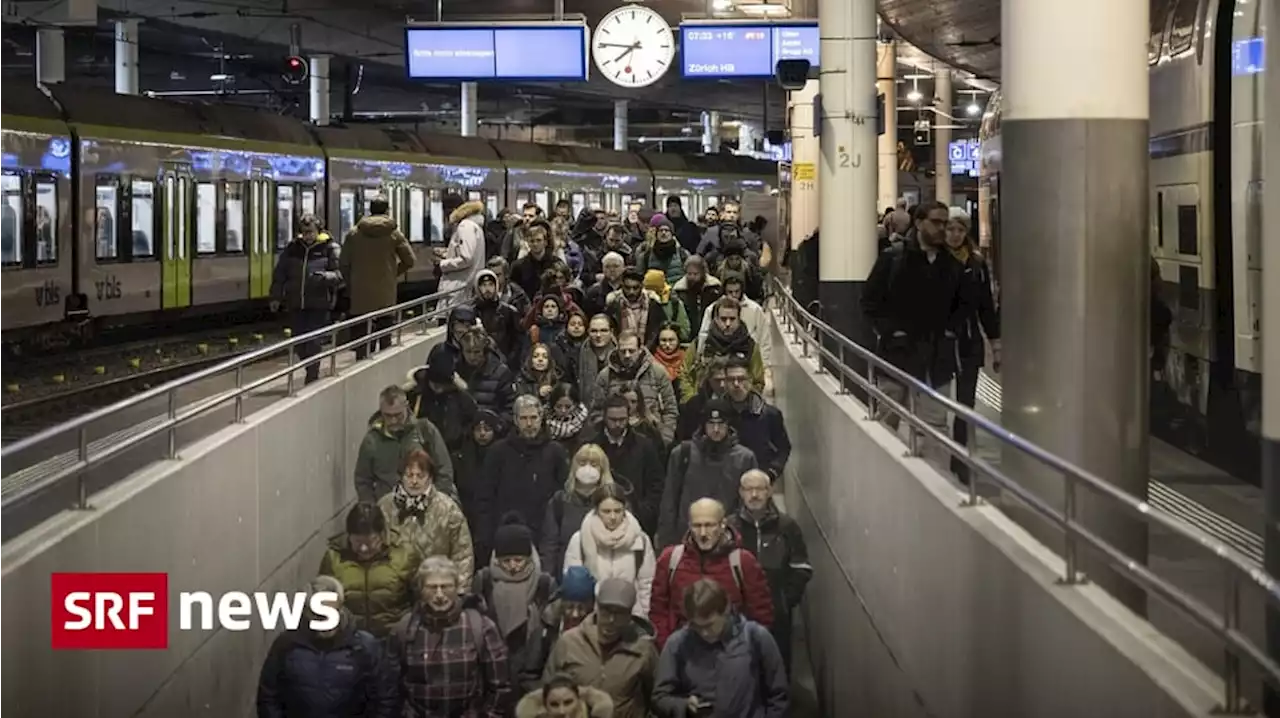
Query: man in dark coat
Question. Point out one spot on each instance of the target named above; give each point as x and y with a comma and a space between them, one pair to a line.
633, 457
488, 379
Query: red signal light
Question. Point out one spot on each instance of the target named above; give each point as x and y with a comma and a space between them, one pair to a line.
295, 70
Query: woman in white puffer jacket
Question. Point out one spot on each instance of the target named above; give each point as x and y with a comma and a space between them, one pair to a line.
612, 544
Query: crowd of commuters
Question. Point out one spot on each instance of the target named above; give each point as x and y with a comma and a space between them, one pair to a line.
567, 510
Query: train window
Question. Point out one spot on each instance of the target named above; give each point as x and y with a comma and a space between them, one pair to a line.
46, 222
142, 217
107, 207
594, 200
1189, 287
1188, 231
1159, 219
491, 203
370, 194
579, 204
417, 215
542, 199
474, 196
1159, 22
235, 216
11, 251
284, 215
1182, 31
522, 198
183, 234
308, 201
437, 217
206, 218
626, 200
346, 211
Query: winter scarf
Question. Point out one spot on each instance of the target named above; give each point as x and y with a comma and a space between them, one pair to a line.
513, 593
595, 536
720, 345
634, 316
411, 507
670, 361
961, 253
568, 427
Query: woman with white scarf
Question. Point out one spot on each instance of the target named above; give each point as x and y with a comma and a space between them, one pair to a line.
611, 544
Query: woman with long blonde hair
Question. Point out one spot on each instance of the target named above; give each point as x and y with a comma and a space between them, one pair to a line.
588, 471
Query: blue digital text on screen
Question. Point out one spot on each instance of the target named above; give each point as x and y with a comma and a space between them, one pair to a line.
744, 50
548, 53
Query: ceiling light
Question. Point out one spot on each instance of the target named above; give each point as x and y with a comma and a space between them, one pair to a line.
914, 96
973, 108
722, 5
763, 9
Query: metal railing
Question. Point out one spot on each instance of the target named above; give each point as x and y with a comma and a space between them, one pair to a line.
405, 315
815, 335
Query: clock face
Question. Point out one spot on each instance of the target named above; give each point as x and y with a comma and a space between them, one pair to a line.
633, 46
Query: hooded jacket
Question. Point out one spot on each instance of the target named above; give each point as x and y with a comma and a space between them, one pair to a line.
491, 384
451, 411
519, 475
701, 468
652, 381
307, 275
696, 300
625, 672
754, 600
500, 320
378, 461
340, 676
464, 257
378, 592
743, 670
594, 704
374, 255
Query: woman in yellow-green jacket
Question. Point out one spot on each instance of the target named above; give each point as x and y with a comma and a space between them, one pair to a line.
375, 567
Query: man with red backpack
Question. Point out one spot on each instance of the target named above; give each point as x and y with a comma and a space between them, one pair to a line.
711, 550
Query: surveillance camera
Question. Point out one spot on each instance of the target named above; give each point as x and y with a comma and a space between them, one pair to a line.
792, 74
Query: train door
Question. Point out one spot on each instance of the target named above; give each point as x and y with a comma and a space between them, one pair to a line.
175, 259
261, 253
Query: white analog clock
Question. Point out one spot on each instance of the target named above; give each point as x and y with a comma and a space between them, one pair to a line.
633, 46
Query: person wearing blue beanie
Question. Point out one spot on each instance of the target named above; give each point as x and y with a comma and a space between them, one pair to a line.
577, 596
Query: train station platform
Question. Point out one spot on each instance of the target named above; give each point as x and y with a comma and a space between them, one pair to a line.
921, 603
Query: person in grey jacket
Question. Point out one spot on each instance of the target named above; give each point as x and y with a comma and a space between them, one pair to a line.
710, 465
393, 433
595, 352
305, 283
720, 665
632, 363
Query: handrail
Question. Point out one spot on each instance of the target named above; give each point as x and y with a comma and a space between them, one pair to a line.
1226, 625
86, 459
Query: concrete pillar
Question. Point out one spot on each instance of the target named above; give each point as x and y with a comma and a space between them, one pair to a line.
746, 138
470, 116
804, 164
319, 90
127, 57
1271, 346
887, 150
847, 169
942, 135
710, 132
1076, 292
620, 125
51, 56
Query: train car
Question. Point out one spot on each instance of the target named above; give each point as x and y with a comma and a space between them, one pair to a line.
128, 212
1205, 213
38, 257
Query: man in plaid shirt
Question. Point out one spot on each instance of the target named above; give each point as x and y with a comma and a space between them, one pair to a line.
451, 659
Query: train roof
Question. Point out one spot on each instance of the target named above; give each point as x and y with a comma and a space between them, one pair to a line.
701, 165
530, 154
27, 108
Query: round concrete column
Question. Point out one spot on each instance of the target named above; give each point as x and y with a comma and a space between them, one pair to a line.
942, 135
887, 144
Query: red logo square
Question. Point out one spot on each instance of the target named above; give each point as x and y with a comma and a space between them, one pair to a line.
109, 611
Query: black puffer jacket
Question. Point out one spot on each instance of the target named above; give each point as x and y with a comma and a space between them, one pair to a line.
306, 275
491, 385
518, 475
638, 461
338, 677
453, 411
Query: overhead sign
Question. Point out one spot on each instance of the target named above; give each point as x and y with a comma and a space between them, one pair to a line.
965, 156
711, 50
465, 52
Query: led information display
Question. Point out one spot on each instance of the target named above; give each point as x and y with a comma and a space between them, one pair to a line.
526, 52
723, 50
966, 157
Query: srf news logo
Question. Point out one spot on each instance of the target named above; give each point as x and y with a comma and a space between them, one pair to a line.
131, 611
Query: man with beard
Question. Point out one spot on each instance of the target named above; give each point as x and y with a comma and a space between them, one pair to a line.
727, 335
731, 214
697, 289
634, 309
451, 658
633, 457
666, 254
339, 672
500, 319
528, 270
687, 233
631, 364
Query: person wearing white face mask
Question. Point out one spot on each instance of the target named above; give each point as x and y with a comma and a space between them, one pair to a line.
612, 544
570, 505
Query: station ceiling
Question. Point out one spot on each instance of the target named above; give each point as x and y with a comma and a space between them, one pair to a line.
182, 40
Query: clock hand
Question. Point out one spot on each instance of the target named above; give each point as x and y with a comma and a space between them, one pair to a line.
613, 44
628, 52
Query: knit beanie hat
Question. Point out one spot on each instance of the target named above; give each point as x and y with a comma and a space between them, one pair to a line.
513, 538
656, 281
660, 220
578, 585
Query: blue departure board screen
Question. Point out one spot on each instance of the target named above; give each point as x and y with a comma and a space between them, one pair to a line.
729, 50
550, 52
1248, 56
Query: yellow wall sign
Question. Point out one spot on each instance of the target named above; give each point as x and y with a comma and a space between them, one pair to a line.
802, 171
